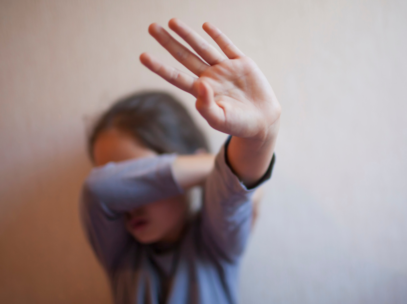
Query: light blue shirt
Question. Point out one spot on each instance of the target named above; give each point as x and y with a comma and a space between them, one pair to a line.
203, 267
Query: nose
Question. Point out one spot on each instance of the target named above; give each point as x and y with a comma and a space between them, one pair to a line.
140, 211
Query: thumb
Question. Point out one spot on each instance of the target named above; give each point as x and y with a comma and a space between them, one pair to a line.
205, 102
205, 94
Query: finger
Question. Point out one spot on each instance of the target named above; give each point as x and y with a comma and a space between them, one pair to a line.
223, 41
207, 107
200, 45
177, 78
177, 50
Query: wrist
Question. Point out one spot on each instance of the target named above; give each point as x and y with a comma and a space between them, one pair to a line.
262, 140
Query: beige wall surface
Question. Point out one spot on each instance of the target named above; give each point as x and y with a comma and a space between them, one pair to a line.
333, 225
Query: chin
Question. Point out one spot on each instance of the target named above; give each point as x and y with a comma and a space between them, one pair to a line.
145, 239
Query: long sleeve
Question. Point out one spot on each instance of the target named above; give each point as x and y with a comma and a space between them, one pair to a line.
115, 188
227, 209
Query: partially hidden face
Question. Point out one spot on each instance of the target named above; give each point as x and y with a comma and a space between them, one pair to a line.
160, 221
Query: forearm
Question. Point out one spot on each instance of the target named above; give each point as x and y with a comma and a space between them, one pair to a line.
250, 158
192, 170
123, 186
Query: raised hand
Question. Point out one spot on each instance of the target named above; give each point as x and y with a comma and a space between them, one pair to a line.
232, 93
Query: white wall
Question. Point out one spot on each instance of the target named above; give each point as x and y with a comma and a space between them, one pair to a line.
333, 224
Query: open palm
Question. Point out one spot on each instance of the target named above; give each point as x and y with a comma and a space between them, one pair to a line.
232, 93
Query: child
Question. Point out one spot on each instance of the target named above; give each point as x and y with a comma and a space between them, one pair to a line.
134, 206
